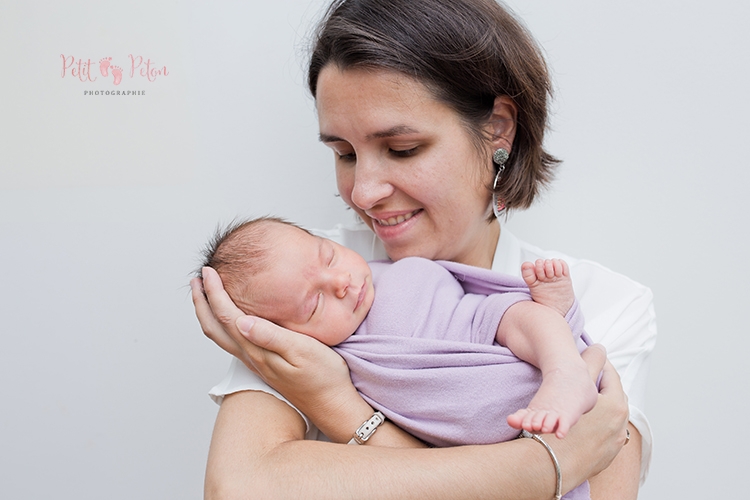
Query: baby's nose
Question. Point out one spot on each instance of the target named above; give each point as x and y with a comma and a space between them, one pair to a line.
340, 282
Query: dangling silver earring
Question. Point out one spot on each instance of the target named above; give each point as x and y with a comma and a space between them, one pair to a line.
499, 157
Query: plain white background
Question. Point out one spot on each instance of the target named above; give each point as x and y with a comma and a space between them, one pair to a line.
105, 202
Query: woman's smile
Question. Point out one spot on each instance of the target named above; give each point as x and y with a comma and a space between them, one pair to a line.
393, 220
406, 163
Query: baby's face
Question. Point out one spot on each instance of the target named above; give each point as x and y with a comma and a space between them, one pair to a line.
313, 286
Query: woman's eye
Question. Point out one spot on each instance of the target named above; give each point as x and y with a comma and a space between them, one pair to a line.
404, 153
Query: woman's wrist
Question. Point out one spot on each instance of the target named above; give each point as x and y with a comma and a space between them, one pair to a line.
337, 412
340, 424
553, 456
573, 466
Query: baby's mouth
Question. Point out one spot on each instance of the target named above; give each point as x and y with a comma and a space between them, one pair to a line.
392, 221
361, 296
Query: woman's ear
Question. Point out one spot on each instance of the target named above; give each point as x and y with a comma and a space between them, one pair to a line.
502, 124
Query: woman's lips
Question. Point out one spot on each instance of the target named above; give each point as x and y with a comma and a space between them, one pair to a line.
393, 227
394, 220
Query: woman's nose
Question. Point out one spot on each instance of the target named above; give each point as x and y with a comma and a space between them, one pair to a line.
371, 184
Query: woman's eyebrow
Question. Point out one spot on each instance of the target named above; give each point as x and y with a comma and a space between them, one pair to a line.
391, 132
325, 138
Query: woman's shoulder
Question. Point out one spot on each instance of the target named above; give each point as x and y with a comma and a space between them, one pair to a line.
590, 279
595, 284
612, 303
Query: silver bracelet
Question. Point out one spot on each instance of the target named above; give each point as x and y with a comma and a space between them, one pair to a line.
367, 429
558, 471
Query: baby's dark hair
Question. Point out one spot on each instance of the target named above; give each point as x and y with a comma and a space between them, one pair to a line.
240, 251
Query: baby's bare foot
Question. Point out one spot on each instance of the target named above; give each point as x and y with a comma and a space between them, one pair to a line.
549, 283
564, 396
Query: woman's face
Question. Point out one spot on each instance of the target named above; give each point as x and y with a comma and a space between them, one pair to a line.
407, 164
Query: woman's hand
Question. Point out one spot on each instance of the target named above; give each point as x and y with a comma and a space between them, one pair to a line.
308, 373
594, 442
621, 477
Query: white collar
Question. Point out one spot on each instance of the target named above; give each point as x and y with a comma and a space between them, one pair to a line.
507, 254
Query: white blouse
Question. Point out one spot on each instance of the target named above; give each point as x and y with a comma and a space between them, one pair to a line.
619, 314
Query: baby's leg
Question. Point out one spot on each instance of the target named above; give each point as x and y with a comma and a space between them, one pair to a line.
564, 395
540, 336
549, 283
562, 398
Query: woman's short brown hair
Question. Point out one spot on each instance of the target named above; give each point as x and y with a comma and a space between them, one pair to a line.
467, 52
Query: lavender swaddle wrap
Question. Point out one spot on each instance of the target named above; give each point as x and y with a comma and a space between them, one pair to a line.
426, 355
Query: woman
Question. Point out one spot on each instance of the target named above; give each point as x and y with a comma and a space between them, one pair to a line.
414, 97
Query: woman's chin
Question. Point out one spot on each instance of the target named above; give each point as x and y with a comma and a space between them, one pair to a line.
398, 252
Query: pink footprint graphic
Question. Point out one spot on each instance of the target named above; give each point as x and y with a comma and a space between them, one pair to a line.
117, 73
104, 65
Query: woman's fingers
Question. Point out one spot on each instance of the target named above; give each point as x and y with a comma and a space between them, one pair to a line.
265, 349
218, 315
285, 353
210, 325
274, 338
595, 356
307, 372
611, 386
610, 383
259, 332
292, 347
224, 310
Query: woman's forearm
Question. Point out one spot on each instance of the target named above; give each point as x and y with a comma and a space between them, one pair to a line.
257, 451
621, 479
340, 416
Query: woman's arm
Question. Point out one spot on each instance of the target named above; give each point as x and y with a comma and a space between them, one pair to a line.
313, 377
258, 439
620, 315
620, 480
257, 451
